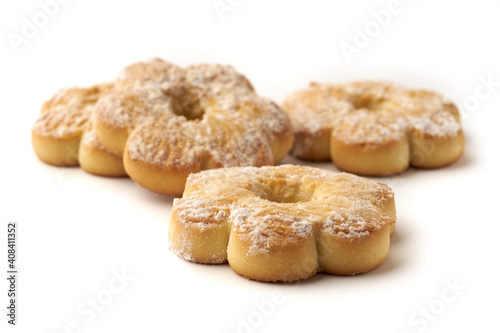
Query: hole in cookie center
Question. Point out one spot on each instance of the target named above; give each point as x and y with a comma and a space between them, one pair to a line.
186, 103
282, 192
367, 102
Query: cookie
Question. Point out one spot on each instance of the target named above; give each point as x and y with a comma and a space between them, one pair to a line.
169, 122
374, 128
64, 120
283, 223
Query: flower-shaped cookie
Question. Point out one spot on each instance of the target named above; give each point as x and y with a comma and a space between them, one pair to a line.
374, 128
283, 223
169, 122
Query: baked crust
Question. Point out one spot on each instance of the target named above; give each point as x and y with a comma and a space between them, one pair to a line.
64, 120
374, 128
283, 223
168, 122
158, 123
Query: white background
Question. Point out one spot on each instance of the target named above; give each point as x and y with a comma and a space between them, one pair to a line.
76, 230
